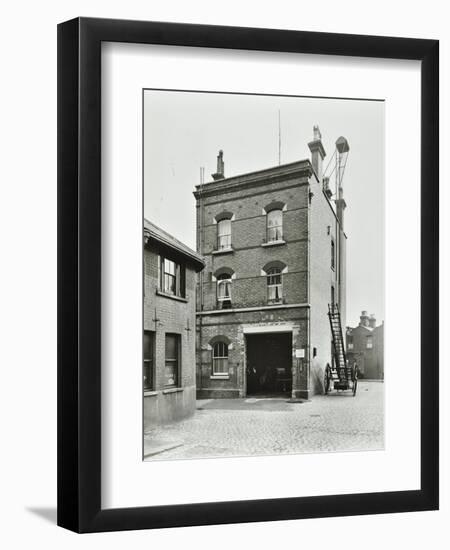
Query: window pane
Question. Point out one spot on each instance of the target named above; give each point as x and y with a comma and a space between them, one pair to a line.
274, 218
274, 284
148, 345
148, 375
224, 227
275, 225
148, 360
171, 346
220, 358
220, 349
172, 360
224, 287
171, 374
224, 234
170, 284
224, 242
274, 293
169, 266
220, 366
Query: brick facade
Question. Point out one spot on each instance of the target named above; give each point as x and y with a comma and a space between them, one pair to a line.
303, 258
365, 347
173, 315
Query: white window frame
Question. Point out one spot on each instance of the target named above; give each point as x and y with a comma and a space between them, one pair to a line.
277, 228
270, 274
222, 281
223, 239
215, 359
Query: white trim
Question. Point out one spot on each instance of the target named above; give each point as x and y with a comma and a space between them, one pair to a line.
267, 328
283, 209
243, 309
222, 251
284, 270
274, 243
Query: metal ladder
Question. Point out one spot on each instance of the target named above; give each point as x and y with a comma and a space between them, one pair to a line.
340, 371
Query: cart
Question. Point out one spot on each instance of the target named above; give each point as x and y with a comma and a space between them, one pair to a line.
332, 380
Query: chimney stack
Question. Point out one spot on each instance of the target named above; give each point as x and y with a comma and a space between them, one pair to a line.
317, 152
364, 319
342, 149
372, 321
220, 174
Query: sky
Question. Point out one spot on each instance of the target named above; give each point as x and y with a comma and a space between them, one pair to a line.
184, 131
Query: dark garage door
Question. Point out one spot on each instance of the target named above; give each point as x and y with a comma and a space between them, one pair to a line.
269, 364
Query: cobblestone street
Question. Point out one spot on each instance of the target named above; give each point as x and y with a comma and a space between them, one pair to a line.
271, 426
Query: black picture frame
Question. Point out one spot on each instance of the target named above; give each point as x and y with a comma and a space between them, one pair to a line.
79, 274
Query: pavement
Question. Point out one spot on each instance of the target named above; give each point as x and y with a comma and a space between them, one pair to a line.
272, 426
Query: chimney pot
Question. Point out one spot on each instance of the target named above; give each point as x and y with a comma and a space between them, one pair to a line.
220, 173
364, 319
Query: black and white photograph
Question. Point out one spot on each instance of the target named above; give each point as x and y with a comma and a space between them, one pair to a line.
263, 267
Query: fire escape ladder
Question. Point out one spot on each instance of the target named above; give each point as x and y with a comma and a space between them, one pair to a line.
340, 371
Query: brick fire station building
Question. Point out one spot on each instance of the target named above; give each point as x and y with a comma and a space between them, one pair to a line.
274, 247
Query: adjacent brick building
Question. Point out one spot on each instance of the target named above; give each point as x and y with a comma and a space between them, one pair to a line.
274, 247
365, 347
169, 327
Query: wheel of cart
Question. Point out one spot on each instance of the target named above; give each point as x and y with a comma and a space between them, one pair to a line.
327, 379
355, 378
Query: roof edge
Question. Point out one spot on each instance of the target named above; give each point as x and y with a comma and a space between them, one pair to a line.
155, 233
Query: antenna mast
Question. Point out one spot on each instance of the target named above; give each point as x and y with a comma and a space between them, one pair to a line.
279, 137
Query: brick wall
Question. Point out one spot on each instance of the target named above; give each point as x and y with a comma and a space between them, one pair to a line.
249, 257
168, 315
232, 326
370, 361
249, 283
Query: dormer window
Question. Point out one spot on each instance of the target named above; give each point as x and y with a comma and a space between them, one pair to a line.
275, 225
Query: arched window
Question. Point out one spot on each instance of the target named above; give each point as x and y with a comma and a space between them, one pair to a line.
274, 285
224, 290
274, 225
220, 358
224, 234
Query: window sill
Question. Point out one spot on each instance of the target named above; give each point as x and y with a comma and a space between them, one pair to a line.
172, 390
219, 308
222, 251
274, 243
219, 377
172, 296
148, 393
